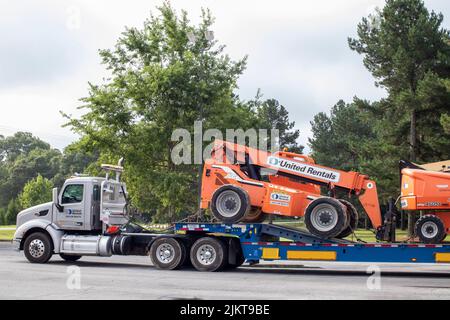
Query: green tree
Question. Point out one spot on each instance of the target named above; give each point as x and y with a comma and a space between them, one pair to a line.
161, 81
77, 158
3, 219
36, 191
273, 115
27, 167
402, 44
23, 157
350, 138
21, 143
338, 140
445, 121
12, 210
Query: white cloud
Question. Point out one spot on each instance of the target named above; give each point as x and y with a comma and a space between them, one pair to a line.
297, 51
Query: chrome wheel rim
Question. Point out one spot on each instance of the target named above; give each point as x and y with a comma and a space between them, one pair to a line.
36, 248
228, 203
206, 254
165, 253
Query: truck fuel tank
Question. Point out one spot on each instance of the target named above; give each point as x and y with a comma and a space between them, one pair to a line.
86, 245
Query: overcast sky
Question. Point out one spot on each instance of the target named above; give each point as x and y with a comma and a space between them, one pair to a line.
297, 50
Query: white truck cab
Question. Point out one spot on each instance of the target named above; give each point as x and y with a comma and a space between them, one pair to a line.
75, 222
88, 218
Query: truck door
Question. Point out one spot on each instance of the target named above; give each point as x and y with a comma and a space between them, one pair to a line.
95, 207
113, 203
73, 202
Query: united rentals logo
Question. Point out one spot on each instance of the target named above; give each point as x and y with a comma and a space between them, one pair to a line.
304, 169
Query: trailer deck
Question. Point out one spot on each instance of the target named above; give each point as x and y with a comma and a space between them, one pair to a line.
265, 242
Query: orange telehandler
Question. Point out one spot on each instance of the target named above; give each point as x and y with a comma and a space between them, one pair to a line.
241, 183
244, 184
427, 188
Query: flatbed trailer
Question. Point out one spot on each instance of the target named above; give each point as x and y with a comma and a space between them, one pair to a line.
273, 242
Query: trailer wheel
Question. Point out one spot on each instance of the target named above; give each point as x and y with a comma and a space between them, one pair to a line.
168, 253
68, 257
209, 254
38, 247
325, 217
430, 229
230, 204
352, 219
255, 215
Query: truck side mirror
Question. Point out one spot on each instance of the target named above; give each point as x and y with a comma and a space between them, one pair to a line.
55, 199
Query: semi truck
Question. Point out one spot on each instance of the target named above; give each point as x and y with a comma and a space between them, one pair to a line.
89, 217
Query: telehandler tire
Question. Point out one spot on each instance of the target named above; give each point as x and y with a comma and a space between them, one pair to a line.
430, 229
255, 215
38, 247
352, 219
68, 257
326, 217
230, 204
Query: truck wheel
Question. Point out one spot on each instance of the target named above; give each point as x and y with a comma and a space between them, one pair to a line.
352, 219
255, 215
325, 217
230, 204
69, 257
430, 229
209, 254
168, 253
38, 247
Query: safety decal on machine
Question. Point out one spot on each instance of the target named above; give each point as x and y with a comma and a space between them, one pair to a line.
280, 196
305, 169
279, 203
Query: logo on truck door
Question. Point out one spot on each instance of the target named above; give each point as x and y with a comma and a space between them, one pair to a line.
304, 169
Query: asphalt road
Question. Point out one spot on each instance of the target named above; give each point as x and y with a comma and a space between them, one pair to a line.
135, 278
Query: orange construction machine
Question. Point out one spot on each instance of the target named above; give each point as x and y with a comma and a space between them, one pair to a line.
245, 184
427, 188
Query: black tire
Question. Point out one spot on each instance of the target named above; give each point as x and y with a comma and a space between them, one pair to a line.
352, 219
230, 204
69, 257
38, 247
209, 254
255, 215
326, 217
168, 253
430, 229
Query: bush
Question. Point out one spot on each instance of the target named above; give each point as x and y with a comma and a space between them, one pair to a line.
36, 191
